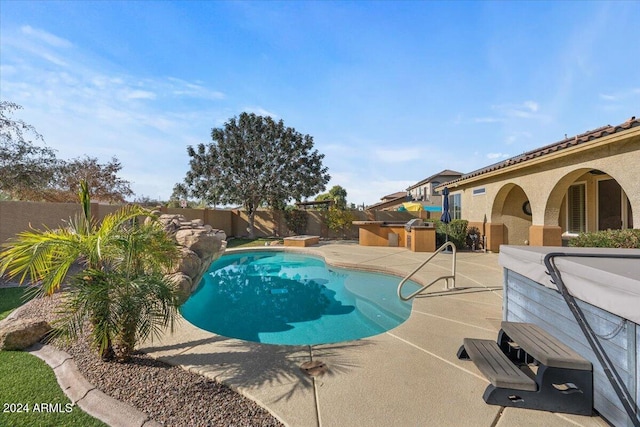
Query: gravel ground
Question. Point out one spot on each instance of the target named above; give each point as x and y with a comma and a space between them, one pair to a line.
169, 394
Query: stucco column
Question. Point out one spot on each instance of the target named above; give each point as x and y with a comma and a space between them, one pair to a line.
545, 235
494, 236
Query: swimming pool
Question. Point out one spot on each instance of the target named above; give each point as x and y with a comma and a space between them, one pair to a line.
286, 298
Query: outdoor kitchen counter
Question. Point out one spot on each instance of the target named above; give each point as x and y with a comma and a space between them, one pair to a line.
418, 238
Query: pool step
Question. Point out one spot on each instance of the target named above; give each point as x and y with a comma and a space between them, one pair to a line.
375, 314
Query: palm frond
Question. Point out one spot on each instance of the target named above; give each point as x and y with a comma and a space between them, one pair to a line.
40, 256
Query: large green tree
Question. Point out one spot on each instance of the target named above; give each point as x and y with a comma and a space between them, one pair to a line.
25, 168
254, 161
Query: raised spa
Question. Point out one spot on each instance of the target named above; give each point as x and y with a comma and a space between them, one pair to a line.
288, 298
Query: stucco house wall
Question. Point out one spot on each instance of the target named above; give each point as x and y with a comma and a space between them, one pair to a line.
542, 177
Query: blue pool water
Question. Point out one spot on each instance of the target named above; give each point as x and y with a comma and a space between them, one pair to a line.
293, 299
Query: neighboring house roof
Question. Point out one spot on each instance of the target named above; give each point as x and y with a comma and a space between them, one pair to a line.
550, 149
446, 172
387, 203
394, 196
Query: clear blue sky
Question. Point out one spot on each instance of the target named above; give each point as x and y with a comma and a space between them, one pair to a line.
392, 92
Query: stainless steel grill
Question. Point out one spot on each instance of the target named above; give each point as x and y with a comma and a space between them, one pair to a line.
416, 222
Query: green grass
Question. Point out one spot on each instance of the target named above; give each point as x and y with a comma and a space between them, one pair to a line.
29, 384
11, 298
247, 243
26, 383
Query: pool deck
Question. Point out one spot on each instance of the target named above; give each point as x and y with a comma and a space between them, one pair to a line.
409, 375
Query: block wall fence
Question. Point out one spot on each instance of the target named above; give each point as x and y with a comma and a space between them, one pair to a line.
16, 217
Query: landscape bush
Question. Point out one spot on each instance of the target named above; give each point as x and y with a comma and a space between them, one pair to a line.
629, 238
456, 230
339, 220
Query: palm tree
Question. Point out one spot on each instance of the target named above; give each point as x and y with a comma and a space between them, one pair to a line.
121, 291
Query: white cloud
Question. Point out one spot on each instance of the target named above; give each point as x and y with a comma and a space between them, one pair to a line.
46, 37
180, 88
531, 105
139, 94
620, 95
524, 110
261, 112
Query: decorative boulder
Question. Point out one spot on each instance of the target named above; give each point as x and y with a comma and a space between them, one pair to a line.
190, 263
20, 333
184, 284
200, 246
200, 240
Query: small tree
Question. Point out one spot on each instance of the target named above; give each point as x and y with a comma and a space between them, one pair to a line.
340, 220
337, 194
25, 169
102, 179
254, 161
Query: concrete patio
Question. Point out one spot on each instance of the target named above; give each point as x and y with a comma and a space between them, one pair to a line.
407, 376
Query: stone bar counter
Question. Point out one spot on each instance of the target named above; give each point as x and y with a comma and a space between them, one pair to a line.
417, 238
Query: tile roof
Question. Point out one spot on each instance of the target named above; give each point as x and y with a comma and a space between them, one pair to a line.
390, 202
446, 172
394, 195
552, 148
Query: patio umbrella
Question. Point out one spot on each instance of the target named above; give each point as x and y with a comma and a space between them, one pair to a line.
446, 216
412, 206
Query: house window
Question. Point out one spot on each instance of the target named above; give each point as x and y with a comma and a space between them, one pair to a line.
434, 184
455, 206
576, 209
479, 191
610, 196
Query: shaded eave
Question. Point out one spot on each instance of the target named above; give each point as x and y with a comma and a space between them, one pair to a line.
588, 140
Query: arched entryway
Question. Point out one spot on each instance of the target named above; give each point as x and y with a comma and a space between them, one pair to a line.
512, 208
588, 200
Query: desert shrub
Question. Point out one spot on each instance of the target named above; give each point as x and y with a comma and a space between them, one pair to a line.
629, 238
296, 220
456, 229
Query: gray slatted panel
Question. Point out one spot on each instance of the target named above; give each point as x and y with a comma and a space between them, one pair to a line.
529, 301
636, 356
549, 307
